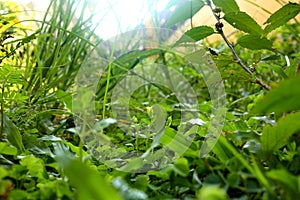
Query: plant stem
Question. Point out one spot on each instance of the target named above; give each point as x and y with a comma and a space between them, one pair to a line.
1, 112
219, 26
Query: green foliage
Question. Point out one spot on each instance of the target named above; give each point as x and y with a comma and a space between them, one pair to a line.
227, 6
10, 130
284, 98
196, 34
273, 138
256, 157
184, 11
58, 40
254, 42
243, 22
90, 184
282, 16
8, 150
213, 193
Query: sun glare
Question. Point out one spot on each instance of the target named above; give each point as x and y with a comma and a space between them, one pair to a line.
114, 16
117, 16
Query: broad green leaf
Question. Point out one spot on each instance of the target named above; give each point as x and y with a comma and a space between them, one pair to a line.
281, 16
141, 182
3, 172
233, 179
196, 34
254, 42
19, 194
75, 149
288, 180
35, 166
275, 137
243, 22
181, 167
7, 150
227, 5
128, 192
185, 11
278, 69
35, 144
284, 98
12, 133
174, 140
89, 183
212, 192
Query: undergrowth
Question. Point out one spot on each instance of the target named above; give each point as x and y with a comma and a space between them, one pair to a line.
43, 156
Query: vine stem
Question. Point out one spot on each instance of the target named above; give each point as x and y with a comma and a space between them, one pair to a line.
219, 28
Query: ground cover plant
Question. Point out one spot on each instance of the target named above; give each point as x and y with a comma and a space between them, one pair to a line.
44, 156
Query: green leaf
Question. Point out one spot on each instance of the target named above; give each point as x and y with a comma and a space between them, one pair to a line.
75, 149
141, 182
181, 167
12, 133
281, 16
221, 152
3, 173
277, 136
175, 141
35, 166
185, 11
291, 71
128, 192
243, 22
284, 98
227, 6
65, 98
212, 193
278, 69
233, 179
7, 150
254, 42
196, 34
288, 181
89, 183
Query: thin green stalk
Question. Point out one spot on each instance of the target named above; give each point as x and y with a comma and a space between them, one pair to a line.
258, 6
108, 80
106, 89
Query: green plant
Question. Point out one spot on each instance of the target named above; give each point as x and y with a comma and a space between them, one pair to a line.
256, 157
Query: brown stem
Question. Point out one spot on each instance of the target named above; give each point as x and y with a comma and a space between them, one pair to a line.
219, 28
